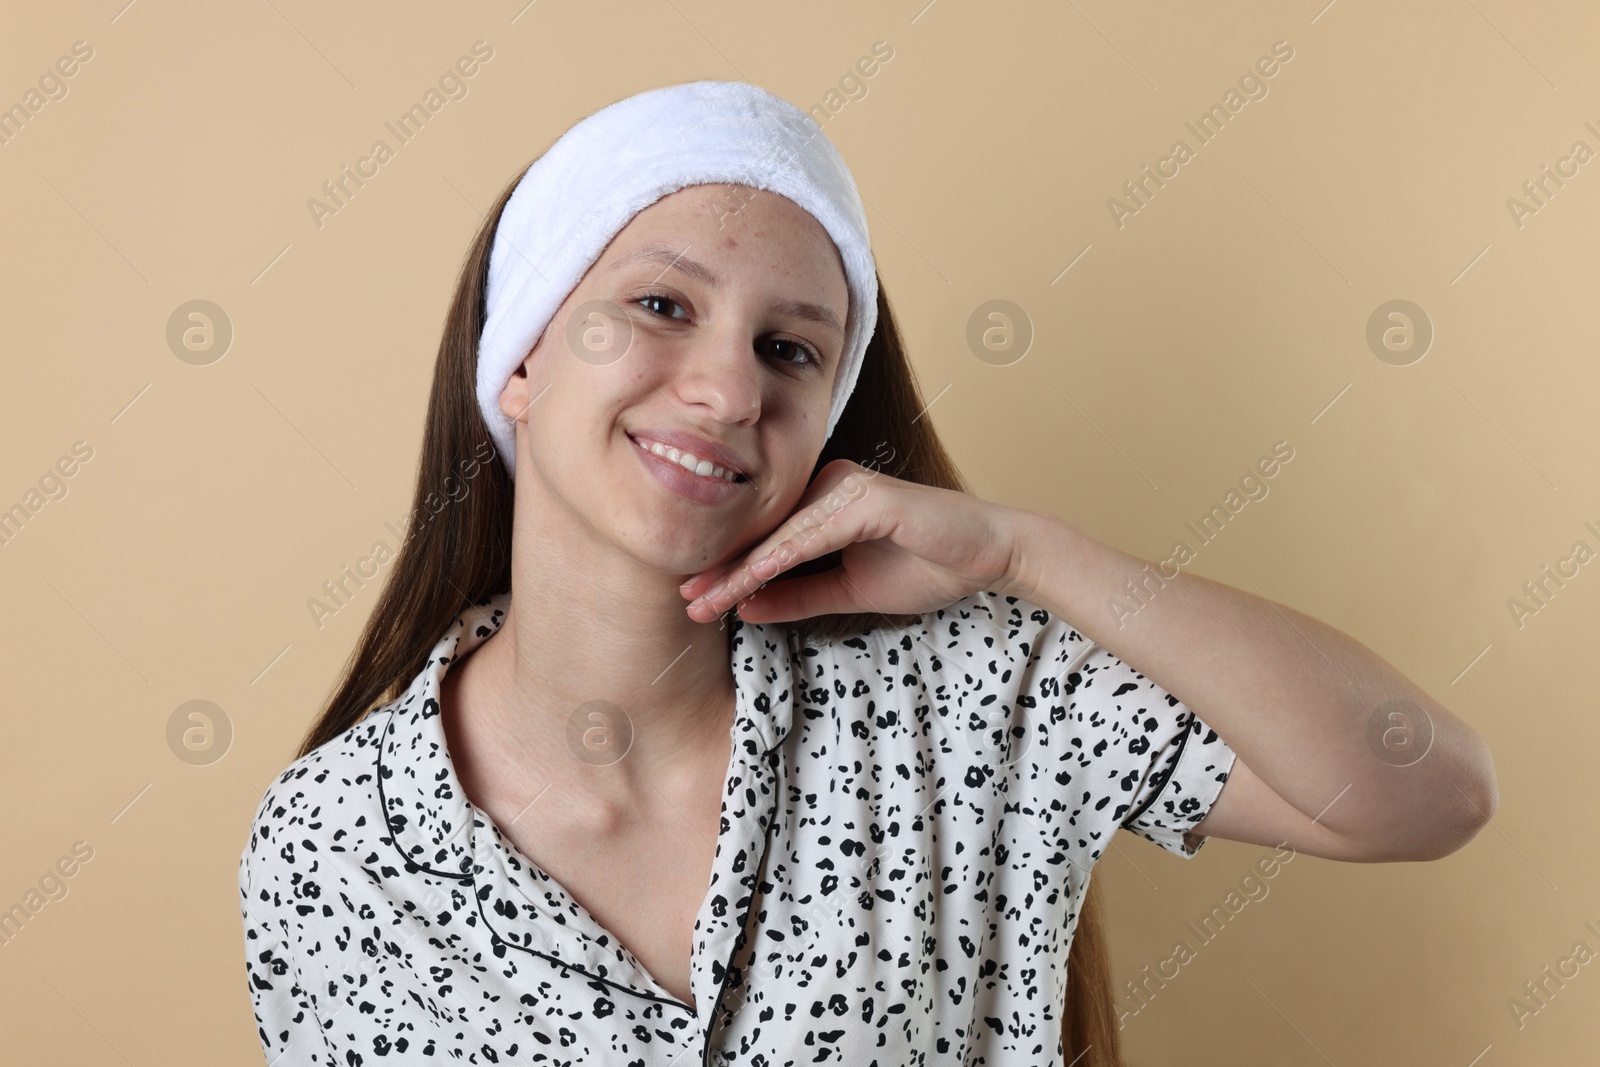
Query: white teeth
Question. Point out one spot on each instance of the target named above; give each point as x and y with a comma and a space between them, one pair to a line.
687, 460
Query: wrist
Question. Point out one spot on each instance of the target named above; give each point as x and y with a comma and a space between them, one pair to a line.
1025, 532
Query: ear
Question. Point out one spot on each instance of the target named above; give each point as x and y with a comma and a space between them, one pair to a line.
517, 394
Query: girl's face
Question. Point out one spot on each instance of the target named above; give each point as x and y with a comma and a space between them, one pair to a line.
712, 323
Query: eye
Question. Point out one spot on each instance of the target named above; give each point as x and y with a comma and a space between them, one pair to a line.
662, 297
809, 356
803, 355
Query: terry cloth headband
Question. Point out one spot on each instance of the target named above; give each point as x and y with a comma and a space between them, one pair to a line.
610, 166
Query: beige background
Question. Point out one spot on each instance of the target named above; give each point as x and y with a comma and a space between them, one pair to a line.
1228, 314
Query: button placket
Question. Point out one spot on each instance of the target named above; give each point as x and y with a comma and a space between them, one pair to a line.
728, 944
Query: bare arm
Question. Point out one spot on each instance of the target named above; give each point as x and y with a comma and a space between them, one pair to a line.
1325, 762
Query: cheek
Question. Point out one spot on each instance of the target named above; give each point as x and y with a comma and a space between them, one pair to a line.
785, 491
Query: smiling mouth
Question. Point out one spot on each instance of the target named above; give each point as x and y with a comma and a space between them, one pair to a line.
688, 460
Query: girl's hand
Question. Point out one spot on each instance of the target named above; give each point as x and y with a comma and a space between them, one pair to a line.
908, 548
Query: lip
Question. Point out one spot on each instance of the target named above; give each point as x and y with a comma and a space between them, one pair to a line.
700, 488
722, 455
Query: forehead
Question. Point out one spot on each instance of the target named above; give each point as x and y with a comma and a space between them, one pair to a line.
732, 198
726, 234
731, 216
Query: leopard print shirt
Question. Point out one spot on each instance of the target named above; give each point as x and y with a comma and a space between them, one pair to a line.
909, 822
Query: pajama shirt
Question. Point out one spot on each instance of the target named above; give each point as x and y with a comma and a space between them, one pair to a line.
910, 818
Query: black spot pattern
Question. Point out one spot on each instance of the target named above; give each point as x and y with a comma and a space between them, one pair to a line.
909, 822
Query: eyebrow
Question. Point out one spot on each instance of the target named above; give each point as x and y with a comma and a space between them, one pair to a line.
657, 253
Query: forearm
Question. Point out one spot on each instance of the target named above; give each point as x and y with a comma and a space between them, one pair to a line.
1303, 705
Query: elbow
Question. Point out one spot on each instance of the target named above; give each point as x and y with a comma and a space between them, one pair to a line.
1447, 844
1474, 801
1488, 802
1467, 803
1482, 802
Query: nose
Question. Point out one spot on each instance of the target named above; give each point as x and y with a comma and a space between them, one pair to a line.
720, 376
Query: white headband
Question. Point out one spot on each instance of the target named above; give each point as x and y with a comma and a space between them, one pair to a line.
610, 166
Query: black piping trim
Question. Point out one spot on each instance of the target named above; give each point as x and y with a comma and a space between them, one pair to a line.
566, 966
411, 865
1172, 768
471, 880
738, 944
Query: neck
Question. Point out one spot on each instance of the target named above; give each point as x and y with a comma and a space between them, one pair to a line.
598, 683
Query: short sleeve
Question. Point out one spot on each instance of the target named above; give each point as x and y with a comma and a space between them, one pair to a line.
1156, 767
286, 1027
1189, 764
1115, 750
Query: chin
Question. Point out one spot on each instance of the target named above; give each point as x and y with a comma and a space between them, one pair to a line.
672, 544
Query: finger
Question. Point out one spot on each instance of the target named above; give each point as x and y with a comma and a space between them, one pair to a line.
711, 576
762, 565
839, 484
815, 529
765, 563
695, 590
801, 598
699, 583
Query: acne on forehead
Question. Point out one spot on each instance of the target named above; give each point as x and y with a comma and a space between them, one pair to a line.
732, 197
658, 245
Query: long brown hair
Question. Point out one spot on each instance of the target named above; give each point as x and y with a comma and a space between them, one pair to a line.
457, 550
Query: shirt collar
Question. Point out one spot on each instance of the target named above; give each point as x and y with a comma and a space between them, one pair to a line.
437, 831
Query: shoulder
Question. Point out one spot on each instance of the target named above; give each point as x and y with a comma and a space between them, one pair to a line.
991, 621
320, 798
983, 647
983, 630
